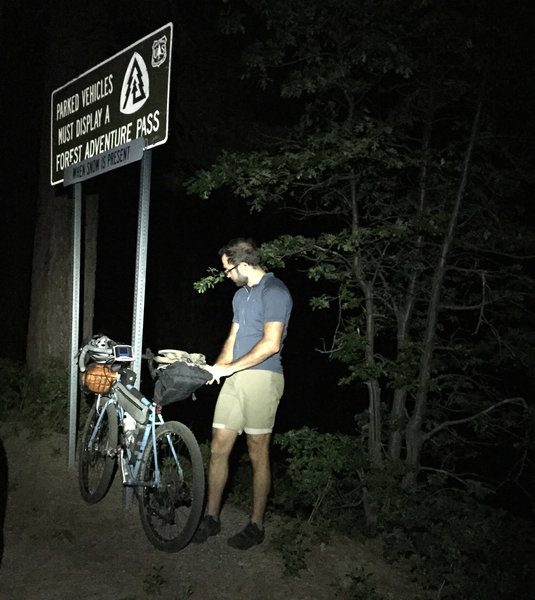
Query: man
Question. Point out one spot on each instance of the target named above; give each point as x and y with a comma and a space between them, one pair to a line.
251, 363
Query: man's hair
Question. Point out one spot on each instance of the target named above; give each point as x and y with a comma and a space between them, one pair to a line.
242, 250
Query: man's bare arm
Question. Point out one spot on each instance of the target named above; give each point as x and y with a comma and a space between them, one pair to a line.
269, 344
225, 356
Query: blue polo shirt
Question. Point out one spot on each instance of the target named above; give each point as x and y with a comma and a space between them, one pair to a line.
268, 300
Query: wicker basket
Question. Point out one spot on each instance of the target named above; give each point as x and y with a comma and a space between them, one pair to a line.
99, 379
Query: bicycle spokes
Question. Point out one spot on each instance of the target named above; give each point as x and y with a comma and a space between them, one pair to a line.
170, 505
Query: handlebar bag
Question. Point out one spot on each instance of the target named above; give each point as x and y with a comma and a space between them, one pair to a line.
178, 381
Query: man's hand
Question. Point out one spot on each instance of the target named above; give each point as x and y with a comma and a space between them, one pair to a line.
217, 372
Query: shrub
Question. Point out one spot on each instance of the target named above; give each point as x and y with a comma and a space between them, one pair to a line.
293, 540
454, 544
316, 475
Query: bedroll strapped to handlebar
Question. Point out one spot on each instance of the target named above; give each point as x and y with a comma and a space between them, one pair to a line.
180, 374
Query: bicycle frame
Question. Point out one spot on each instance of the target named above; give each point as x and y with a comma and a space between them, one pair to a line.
130, 472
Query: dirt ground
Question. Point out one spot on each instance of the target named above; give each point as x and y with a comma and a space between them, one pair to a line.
57, 547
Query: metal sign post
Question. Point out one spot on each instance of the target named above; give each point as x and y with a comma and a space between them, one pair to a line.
141, 259
75, 325
108, 117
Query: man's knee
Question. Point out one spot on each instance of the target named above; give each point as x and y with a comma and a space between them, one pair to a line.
222, 443
258, 446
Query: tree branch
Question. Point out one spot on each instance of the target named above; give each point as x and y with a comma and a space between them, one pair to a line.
446, 424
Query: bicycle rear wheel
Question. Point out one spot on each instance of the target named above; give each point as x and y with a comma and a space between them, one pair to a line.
170, 512
97, 462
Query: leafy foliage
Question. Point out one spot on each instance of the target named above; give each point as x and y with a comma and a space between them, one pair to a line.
294, 540
320, 474
209, 281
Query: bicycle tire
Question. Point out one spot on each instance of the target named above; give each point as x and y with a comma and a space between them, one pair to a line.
97, 465
171, 512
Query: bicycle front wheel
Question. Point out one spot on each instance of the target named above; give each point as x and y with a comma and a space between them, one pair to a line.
170, 511
97, 459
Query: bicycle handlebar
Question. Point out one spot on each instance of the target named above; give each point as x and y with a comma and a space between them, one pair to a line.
148, 355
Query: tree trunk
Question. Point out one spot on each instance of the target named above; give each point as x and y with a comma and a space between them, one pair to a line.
396, 419
404, 314
375, 422
374, 389
49, 326
414, 427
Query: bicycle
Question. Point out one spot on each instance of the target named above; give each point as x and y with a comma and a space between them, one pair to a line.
160, 461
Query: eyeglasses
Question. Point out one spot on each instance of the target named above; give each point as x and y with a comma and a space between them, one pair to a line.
227, 271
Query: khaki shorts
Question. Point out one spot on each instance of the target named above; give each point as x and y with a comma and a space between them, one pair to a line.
248, 401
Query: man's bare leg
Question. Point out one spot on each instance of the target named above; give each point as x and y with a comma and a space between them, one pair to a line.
222, 444
258, 446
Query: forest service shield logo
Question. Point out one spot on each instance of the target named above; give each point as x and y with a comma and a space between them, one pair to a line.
159, 51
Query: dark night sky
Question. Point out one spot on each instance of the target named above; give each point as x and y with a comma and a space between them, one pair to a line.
21, 109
